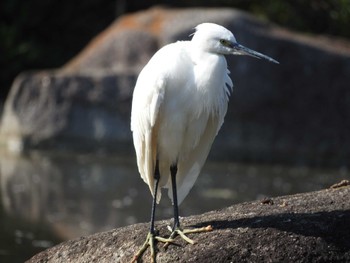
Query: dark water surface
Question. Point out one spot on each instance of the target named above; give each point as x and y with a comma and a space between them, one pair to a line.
46, 199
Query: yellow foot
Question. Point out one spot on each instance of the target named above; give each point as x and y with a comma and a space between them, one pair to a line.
182, 234
150, 241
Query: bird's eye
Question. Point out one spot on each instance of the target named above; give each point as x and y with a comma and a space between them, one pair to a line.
224, 42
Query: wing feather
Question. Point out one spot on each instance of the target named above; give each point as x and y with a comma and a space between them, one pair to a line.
190, 167
147, 100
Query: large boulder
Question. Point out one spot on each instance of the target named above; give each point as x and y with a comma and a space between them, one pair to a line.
309, 227
50, 110
295, 112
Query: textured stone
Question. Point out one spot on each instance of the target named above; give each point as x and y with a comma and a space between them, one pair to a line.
309, 227
50, 110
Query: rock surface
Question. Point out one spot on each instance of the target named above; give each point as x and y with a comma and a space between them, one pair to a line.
296, 112
51, 110
309, 227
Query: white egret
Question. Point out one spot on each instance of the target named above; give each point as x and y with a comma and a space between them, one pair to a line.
179, 103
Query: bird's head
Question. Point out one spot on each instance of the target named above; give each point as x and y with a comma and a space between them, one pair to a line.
217, 39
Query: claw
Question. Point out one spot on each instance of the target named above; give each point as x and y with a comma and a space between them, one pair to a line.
152, 238
150, 242
182, 234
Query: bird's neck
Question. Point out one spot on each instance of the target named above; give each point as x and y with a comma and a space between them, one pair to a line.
210, 73
211, 67
200, 56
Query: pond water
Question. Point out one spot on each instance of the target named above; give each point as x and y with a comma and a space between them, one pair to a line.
46, 198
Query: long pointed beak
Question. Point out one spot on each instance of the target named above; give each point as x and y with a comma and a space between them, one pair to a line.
238, 49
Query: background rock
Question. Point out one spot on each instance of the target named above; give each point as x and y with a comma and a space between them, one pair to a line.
296, 112
50, 110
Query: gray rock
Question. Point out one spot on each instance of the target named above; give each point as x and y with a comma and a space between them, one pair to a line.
309, 227
296, 112
50, 110
117, 50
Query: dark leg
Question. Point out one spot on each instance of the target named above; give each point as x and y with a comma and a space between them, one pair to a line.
152, 235
173, 171
154, 203
177, 230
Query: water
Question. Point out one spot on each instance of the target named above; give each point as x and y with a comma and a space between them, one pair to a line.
46, 198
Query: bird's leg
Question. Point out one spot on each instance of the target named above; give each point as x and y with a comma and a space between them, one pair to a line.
154, 201
177, 230
173, 172
152, 235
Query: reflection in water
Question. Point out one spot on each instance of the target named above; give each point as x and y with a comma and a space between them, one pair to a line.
69, 196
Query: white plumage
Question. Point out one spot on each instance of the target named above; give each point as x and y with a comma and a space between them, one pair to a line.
179, 103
